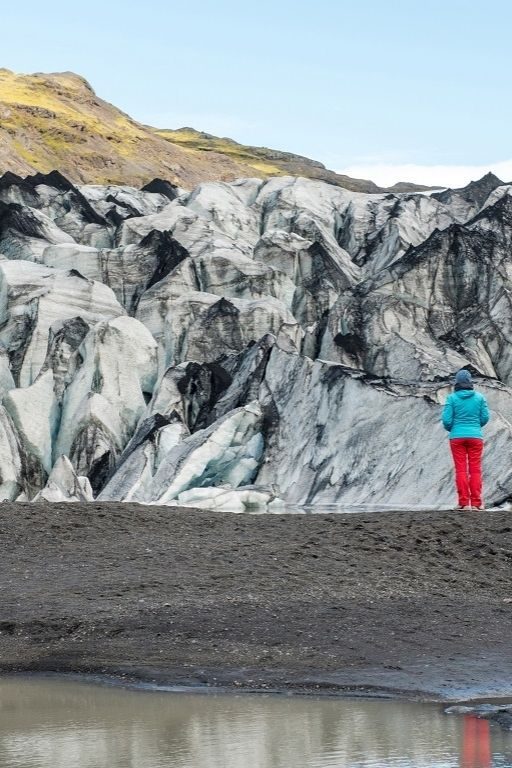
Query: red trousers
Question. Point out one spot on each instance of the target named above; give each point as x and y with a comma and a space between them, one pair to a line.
467, 458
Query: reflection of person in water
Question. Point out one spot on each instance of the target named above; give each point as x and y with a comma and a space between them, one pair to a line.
476, 743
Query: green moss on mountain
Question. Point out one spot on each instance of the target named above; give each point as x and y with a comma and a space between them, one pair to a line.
56, 121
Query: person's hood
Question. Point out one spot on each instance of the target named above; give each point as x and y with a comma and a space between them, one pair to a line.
463, 378
465, 393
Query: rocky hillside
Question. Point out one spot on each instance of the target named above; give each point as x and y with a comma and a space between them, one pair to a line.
247, 342
264, 162
57, 121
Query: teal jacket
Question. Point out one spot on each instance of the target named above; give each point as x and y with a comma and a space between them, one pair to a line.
465, 413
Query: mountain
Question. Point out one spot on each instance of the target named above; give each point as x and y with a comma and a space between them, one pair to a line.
249, 343
263, 162
57, 121
50, 121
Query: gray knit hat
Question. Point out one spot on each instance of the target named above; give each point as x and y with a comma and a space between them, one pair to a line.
463, 377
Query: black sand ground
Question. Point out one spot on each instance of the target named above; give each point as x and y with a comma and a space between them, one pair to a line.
410, 602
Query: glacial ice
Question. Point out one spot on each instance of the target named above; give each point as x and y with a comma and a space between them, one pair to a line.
178, 323
107, 397
11, 481
245, 499
34, 297
227, 452
35, 413
63, 484
244, 345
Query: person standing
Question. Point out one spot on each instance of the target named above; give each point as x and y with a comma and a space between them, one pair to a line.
464, 414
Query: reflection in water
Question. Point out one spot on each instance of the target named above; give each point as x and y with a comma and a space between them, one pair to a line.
54, 723
476, 743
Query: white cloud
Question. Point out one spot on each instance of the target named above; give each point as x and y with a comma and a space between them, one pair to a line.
387, 174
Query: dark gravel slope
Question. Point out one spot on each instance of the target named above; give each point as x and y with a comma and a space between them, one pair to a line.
403, 601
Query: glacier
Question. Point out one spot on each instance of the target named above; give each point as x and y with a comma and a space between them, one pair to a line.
248, 345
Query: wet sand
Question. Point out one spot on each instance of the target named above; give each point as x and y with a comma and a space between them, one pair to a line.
414, 604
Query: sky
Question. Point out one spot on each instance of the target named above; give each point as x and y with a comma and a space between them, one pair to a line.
391, 90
